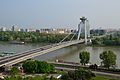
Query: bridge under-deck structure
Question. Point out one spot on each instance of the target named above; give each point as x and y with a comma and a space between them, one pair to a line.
20, 57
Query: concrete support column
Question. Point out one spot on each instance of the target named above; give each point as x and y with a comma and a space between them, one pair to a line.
85, 33
83, 25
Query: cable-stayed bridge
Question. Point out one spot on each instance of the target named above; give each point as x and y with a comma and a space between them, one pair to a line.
19, 57
8, 61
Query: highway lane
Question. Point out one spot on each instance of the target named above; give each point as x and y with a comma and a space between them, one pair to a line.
32, 53
40, 48
19, 55
6, 59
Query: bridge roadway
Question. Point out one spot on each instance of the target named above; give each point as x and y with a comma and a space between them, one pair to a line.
19, 57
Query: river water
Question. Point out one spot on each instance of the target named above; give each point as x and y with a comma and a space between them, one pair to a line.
70, 54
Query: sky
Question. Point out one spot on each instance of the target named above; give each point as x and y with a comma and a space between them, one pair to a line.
59, 13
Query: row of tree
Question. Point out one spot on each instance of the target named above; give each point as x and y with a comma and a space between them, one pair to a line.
33, 37
112, 39
108, 58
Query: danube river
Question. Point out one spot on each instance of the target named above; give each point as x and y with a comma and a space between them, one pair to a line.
70, 54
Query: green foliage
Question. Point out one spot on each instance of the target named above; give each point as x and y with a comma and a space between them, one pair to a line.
108, 58
29, 78
13, 78
32, 37
80, 74
33, 66
14, 70
51, 78
101, 78
112, 39
84, 74
37, 78
97, 41
84, 57
97, 32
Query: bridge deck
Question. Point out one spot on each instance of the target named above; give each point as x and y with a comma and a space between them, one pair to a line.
11, 60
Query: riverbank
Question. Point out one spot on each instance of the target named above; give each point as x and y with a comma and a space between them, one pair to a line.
33, 37
103, 45
70, 53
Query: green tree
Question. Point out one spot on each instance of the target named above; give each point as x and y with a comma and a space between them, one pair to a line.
83, 74
14, 70
13, 78
80, 74
33, 37
108, 58
34, 66
84, 57
30, 66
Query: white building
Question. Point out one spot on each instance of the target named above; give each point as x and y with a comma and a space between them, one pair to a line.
15, 28
3, 29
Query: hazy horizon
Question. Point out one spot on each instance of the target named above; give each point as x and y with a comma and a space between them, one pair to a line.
59, 13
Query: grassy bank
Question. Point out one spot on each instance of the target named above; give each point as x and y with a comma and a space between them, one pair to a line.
101, 78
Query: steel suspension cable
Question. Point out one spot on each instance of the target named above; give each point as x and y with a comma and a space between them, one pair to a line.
73, 36
65, 37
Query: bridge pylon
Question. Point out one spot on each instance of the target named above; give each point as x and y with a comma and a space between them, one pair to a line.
83, 27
